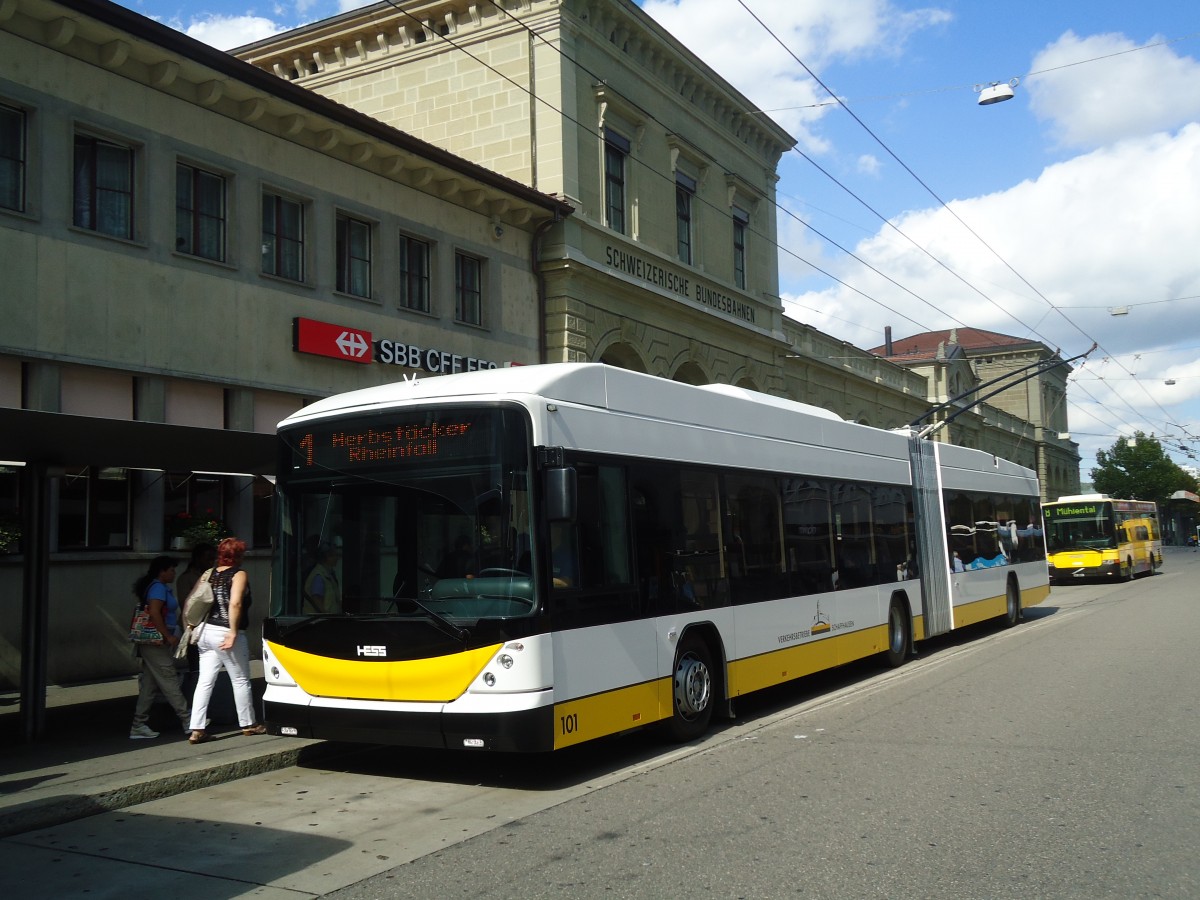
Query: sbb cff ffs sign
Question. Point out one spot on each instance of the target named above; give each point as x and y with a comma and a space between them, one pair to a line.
336, 341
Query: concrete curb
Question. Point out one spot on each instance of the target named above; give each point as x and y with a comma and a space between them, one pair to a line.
51, 811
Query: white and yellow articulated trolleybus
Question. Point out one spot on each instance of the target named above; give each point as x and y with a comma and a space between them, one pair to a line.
524, 559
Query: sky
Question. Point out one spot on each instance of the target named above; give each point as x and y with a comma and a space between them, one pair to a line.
1069, 214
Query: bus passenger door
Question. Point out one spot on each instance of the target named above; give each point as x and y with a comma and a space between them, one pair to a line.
602, 643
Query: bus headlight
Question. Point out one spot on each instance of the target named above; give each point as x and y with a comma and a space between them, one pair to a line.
489, 679
505, 660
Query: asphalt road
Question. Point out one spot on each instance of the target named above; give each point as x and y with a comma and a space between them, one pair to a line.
1059, 759
1056, 759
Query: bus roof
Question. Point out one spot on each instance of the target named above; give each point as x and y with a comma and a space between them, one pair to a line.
722, 409
588, 384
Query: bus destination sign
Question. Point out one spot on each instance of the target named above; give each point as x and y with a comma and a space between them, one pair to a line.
380, 444
348, 445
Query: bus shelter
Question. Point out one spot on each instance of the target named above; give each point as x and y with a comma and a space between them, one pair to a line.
41, 443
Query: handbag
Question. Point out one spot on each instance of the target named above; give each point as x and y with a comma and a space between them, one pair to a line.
196, 610
199, 602
141, 628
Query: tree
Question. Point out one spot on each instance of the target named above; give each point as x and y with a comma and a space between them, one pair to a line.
1138, 468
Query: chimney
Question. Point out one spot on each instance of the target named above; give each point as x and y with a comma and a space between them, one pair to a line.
887, 340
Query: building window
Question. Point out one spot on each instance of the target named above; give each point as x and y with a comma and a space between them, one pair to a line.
616, 150
191, 501
12, 158
282, 237
10, 510
199, 212
93, 509
414, 274
468, 289
741, 219
103, 186
353, 256
685, 190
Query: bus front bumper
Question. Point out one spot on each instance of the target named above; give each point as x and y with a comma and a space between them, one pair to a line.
1106, 569
511, 731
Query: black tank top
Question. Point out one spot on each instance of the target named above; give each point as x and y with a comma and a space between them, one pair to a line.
222, 583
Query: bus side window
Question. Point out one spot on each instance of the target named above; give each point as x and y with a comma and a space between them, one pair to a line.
853, 535
677, 535
808, 534
754, 538
593, 552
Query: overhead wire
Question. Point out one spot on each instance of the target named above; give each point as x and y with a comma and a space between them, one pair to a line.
962, 87
942, 204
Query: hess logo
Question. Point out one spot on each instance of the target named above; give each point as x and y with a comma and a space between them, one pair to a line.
372, 650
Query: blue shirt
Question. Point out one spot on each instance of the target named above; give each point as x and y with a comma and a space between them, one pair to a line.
160, 591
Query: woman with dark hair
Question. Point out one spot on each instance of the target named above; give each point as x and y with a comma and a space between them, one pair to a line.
204, 557
223, 643
158, 660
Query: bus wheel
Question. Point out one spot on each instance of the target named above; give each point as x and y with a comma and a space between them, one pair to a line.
1153, 565
1012, 607
1127, 569
693, 699
898, 636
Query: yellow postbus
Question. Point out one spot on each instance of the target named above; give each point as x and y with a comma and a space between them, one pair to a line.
1095, 536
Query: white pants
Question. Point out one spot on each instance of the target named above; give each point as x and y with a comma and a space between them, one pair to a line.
236, 662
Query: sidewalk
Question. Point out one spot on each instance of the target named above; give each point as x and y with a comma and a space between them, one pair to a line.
87, 764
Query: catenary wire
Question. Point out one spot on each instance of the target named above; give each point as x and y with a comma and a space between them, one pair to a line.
946, 207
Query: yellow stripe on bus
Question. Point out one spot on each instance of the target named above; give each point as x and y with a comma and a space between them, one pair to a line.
436, 680
1034, 596
778, 666
980, 611
612, 712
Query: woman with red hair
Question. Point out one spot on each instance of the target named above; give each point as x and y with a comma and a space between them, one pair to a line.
223, 643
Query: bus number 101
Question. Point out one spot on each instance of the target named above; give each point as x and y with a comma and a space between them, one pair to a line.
569, 724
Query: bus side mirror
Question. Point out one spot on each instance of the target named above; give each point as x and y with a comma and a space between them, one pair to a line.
561, 495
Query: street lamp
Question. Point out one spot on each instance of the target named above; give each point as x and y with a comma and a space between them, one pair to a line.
996, 92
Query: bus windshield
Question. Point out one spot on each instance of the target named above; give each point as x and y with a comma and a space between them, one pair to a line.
1080, 527
406, 513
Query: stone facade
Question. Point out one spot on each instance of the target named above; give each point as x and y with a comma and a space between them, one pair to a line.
542, 93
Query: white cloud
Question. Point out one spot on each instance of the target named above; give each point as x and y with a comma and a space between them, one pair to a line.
227, 32
1104, 229
729, 39
1114, 227
1134, 92
868, 164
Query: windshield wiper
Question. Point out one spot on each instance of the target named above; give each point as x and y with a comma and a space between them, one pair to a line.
443, 624
459, 634
291, 627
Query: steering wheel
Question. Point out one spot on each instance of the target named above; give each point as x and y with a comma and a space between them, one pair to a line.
497, 571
